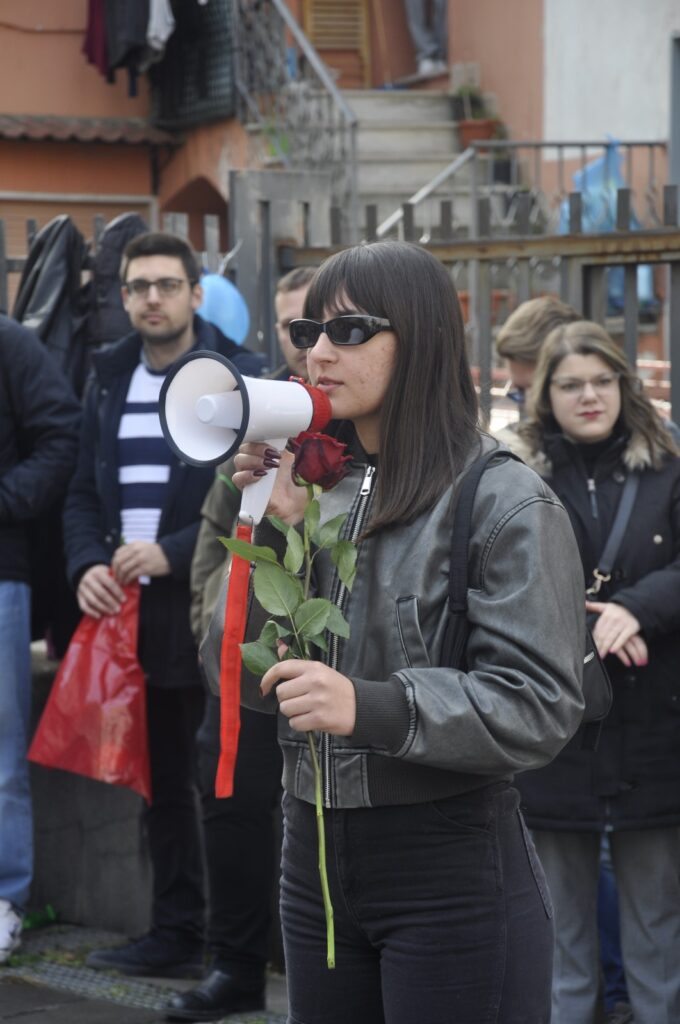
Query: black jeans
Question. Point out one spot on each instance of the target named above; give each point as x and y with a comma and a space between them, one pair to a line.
239, 838
441, 915
172, 820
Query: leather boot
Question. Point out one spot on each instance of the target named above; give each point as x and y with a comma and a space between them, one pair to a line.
232, 990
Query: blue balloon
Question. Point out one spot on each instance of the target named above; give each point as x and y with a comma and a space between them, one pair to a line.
224, 306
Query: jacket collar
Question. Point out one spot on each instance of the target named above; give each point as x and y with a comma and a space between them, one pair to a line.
124, 355
630, 449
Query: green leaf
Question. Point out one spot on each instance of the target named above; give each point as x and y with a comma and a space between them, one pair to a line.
312, 616
258, 658
344, 555
277, 591
337, 623
251, 552
273, 631
318, 641
295, 551
330, 531
279, 524
312, 515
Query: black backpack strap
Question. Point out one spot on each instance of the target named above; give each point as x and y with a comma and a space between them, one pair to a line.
455, 638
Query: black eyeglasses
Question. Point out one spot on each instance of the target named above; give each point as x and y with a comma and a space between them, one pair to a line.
342, 330
165, 286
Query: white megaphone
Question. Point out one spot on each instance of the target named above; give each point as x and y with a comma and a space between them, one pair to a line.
207, 409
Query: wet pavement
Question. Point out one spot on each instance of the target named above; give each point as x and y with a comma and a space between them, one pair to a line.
46, 981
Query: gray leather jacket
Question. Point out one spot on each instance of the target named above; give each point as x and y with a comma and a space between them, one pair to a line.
424, 731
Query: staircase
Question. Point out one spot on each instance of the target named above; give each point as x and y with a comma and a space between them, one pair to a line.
404, 139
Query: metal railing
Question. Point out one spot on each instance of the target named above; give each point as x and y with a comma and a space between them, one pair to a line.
534, 176
288, 98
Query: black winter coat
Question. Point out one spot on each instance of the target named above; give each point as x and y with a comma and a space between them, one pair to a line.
92, 522
632, 780
39, 422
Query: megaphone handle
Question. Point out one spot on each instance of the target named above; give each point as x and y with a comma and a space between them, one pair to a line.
256, 496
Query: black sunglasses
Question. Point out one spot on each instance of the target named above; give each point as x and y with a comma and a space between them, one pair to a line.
342, 330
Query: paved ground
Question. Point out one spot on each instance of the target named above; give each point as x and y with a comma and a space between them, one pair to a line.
46, 981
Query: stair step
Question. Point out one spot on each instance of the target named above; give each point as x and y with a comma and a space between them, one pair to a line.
433, 137
401, 174
398, 105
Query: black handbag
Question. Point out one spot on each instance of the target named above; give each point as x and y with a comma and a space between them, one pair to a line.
597, 689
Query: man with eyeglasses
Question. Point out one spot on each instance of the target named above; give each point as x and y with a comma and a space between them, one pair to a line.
133, 513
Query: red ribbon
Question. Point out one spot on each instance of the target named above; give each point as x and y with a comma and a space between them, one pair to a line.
230, 666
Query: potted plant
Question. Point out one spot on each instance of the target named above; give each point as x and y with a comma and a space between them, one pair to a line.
472, 114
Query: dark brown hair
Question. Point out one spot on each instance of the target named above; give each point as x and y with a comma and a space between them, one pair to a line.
585, 338
428, 421
161, 243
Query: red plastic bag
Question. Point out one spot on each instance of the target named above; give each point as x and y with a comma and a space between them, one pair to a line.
94, 722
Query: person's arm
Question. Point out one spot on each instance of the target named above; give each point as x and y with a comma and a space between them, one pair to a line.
84, 538
47, 416
520, 700
218, 513
654, 599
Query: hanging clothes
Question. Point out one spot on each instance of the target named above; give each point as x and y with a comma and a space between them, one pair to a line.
160, 27
94, 44
126, 26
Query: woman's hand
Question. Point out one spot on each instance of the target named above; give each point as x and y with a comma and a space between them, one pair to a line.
312, 696
617, 632
287, 499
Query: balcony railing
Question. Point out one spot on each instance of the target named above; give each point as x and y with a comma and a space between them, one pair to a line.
288, 98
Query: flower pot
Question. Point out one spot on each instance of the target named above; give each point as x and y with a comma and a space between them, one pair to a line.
475, 129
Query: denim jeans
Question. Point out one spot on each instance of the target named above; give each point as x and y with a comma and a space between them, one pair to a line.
429, 40
16, 821
611, 958
441, 914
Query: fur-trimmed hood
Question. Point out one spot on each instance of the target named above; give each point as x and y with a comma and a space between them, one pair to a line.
636, 454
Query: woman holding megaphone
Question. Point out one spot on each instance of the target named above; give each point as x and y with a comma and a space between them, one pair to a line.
441, 909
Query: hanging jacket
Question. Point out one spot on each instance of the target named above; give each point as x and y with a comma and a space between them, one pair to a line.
632, 779
51, 300
107, 320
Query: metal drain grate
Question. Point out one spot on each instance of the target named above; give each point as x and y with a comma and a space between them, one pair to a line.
91, 984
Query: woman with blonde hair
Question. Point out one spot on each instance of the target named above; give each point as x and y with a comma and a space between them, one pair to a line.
601, 446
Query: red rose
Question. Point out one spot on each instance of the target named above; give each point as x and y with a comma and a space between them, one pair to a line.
319, 459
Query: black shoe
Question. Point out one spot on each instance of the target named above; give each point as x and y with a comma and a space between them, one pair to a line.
153, 956
220, 994
621, 1014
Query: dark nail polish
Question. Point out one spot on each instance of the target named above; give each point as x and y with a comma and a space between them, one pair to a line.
271, 463
271, 453
259, 472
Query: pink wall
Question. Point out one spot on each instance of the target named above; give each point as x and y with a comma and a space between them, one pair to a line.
505, 37
43, 71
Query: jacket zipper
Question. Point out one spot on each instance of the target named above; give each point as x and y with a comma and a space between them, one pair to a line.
339, 598
592, 493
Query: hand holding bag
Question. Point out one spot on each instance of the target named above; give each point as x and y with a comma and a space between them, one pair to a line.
94, 722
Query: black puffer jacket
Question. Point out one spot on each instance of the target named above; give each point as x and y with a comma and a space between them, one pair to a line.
632, 780
39, 421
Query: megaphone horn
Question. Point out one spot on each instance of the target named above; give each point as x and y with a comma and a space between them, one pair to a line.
208, 409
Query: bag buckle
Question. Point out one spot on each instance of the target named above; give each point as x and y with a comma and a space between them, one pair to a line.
600, 578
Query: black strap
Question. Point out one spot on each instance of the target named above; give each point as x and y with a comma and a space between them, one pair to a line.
453, 649
605, 565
